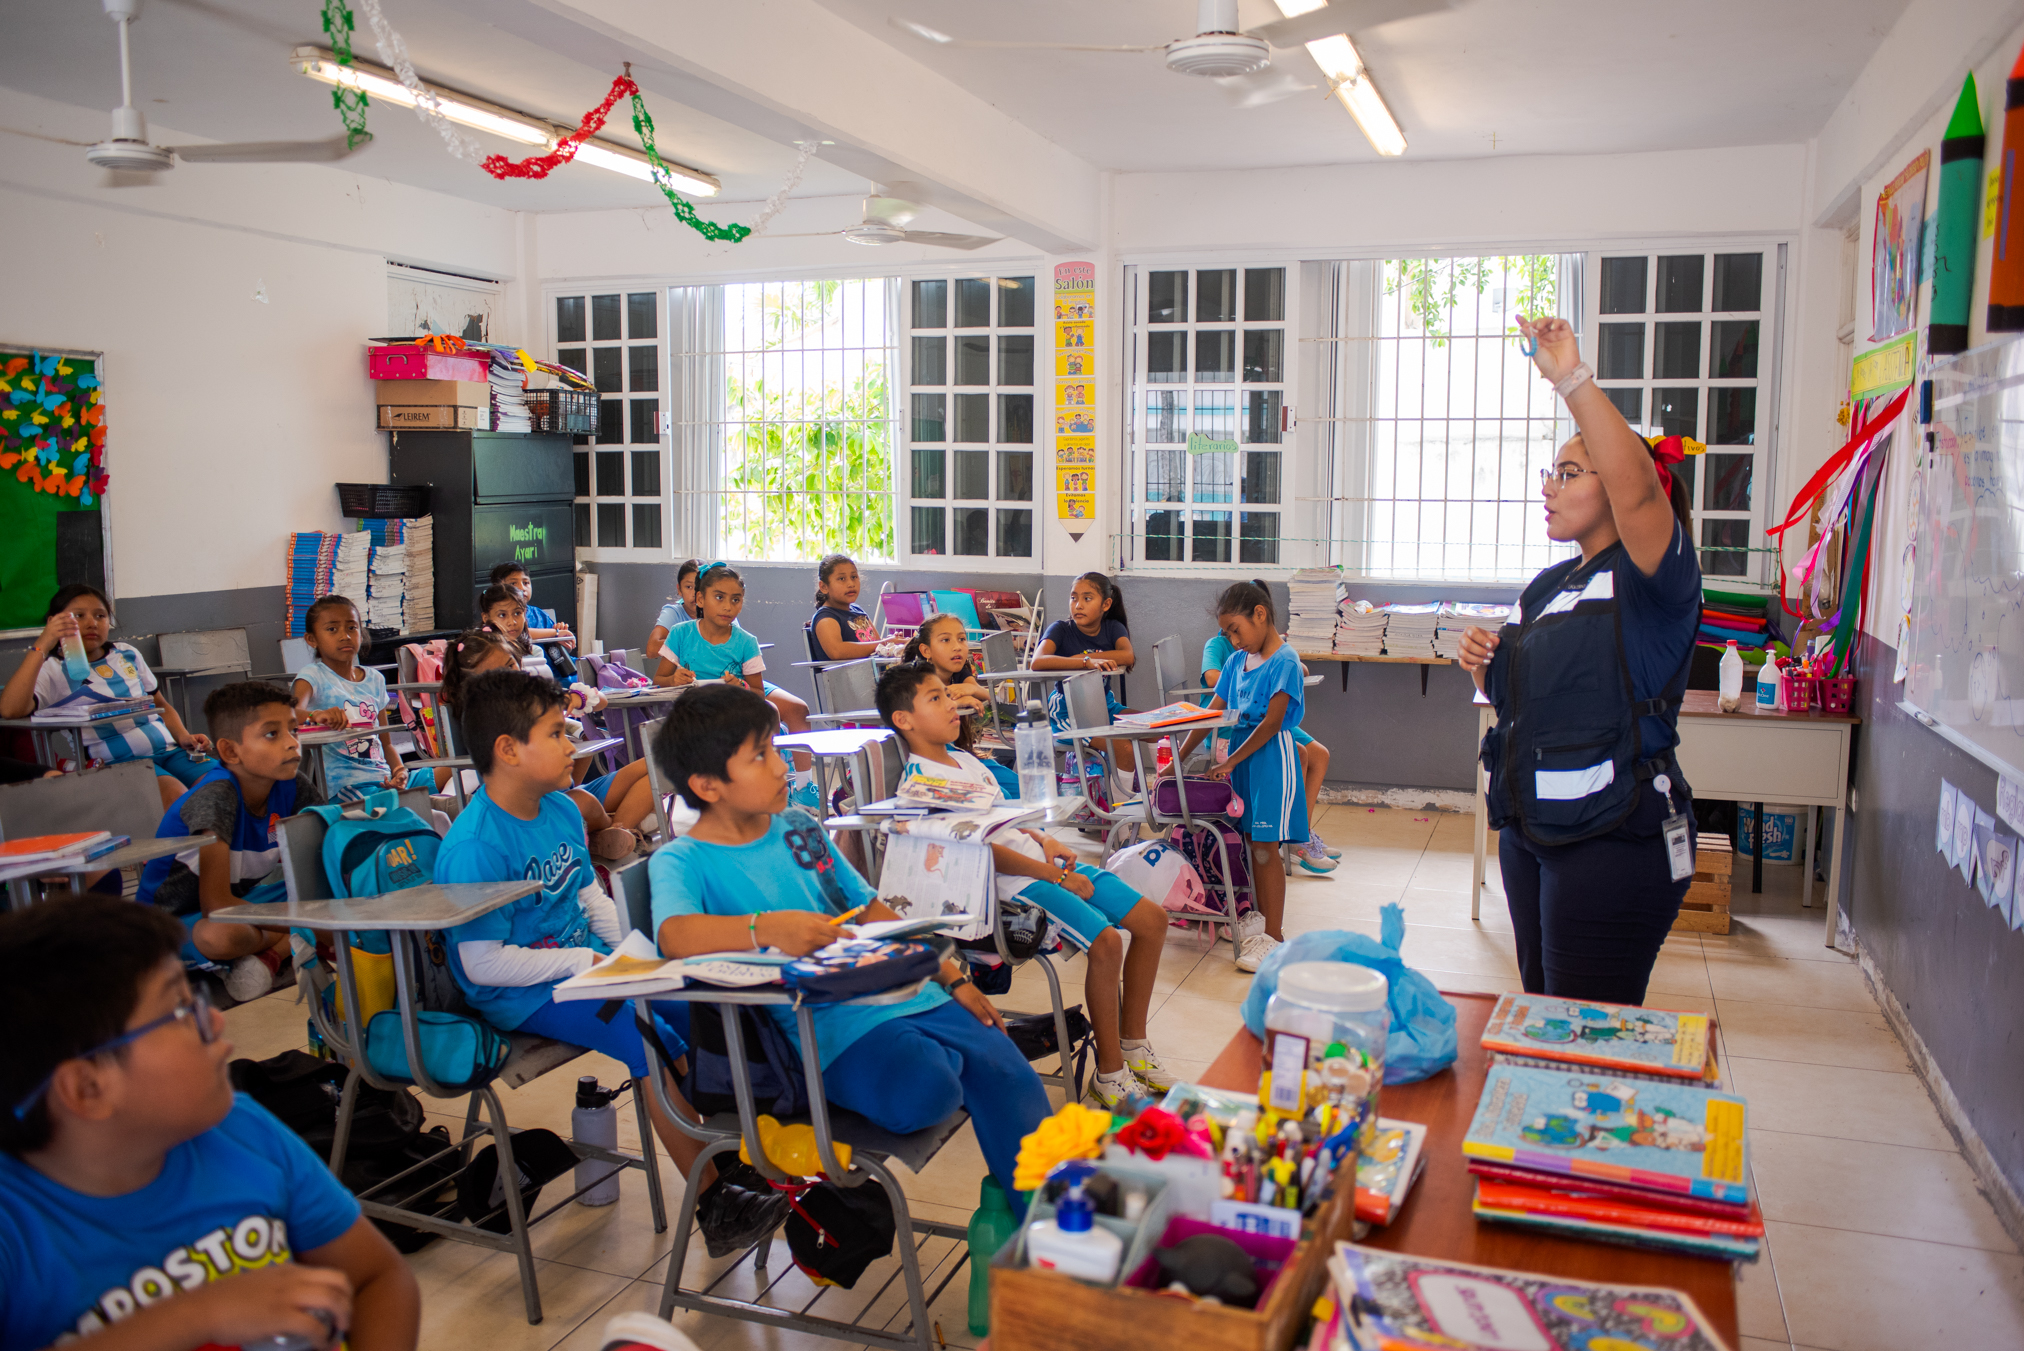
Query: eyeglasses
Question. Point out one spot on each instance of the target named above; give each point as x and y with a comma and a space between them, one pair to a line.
1558, 478
198, 1008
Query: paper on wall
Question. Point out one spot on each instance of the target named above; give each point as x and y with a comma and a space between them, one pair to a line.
1985, 826
1995, 882
1961, 853
1944, 840
2010, 802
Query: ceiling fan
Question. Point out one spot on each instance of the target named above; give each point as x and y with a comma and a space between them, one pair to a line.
885, 222
128, 149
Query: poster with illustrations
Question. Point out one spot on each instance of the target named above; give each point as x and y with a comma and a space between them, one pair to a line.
1075, 395
1894, 254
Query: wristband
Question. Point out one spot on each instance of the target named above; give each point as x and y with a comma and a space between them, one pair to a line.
1573, 380
752, 930
957, 984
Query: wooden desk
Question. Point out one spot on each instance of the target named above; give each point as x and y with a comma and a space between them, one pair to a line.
1346, 657
1437, 1220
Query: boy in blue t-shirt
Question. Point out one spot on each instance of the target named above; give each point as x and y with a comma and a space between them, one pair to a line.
752, 874
142, 1203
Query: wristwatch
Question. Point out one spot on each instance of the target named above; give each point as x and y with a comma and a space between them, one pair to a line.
957, 984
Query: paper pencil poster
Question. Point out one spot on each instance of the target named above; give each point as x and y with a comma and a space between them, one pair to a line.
1999, 863
2010, 802
1962, 855
1946, 834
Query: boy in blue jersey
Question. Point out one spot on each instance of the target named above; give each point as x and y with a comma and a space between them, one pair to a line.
257, 782
143, 1205
752, 874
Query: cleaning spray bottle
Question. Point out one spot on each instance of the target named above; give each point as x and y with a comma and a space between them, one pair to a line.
1072, 1243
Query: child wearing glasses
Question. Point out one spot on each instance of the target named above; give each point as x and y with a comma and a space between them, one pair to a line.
142, 1203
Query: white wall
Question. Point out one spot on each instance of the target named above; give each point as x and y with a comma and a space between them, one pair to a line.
228, 419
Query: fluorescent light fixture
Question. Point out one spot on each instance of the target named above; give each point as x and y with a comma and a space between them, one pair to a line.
382, 84
1350, 82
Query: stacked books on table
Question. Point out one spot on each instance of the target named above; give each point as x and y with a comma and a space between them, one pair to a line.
312, 555
1310, 609
509, 392
49, 848
1359, 629
87, 705
419, 535
1409, 629
1457, 615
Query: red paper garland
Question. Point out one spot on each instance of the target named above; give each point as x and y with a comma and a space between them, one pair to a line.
540, 166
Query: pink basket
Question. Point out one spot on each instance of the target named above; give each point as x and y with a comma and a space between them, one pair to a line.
1801, 692
408, 362
1837, 694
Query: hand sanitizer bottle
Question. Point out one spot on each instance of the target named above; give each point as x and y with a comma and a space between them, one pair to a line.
1072, 1243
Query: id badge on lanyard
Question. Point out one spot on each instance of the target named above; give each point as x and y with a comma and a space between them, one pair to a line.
1679, 844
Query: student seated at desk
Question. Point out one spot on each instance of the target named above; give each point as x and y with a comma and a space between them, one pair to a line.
505, 614
335, 691
541, 622
943, 643
1090, 903
754, 874
117, 672
839, 630
680, 609
143, 1205
1093, 638
1315, 856
257, 783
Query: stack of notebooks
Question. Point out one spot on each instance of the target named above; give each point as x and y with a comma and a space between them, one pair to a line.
400, 591
1409, 629
1359, 629
349, 573
509, 393
312, 555
387, 588
1606, 1122
1458, 615
419, 535
1310, 609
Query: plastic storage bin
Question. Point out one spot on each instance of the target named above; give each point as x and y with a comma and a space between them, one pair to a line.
1322, 1015
1781, 832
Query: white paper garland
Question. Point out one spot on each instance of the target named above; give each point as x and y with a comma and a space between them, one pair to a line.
394, 52
779, 199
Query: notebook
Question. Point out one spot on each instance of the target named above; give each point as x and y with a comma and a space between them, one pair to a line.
1611, 1036
37, 848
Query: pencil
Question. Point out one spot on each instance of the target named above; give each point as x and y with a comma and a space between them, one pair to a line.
846, 916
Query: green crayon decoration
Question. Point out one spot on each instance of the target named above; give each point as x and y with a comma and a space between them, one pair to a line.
1960, 202
2006, 270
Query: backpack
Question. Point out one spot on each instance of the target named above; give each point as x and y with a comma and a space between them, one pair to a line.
1198, 847
607, 674
779, 1085
1157, 871
375, 846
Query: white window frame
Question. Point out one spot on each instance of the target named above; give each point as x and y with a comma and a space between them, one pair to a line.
587, 548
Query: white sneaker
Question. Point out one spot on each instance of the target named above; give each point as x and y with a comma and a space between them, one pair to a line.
1246, 925
1144, 1062
1313, 856
1114, 1092
248, 978
1254, 950
1325, 846
641, 1331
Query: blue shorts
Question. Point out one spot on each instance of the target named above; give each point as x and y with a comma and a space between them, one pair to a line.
1269, 782
267, 893
598, 786
1083, 920
185, 768
577, 1022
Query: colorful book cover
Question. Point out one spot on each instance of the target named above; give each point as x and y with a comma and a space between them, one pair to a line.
1666, 1138
1612, 1036
1386, 1171
1712, 1078
1169, 715
1596, 1187
1397, 1302
1722, 1247
1537, 1200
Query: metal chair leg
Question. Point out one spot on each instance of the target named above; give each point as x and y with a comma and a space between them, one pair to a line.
648, 1157
910, 1256
341, 1140
678, 1259
516, 1213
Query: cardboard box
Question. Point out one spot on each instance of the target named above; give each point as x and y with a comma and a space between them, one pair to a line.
412, 417
441, 393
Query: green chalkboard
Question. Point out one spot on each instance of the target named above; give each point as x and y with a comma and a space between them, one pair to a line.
52, 479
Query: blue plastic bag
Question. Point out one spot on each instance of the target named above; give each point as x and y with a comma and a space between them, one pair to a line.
1421, 1040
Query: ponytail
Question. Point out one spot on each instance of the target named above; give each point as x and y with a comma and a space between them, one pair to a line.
1241, 598
829, 564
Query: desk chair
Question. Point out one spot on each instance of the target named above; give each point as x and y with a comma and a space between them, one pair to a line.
527, 1059
899, 613
1083, 695
670, 816
1170, 669
196, 655
120, 798
847, 692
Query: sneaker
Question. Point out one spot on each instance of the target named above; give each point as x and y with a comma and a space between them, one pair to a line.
1326, 847
1114, 1092
248, 978
1313, 856
1255, 950
1247, 924
1144, 1064
807, 797
739, 1210
641, 1331
614, 843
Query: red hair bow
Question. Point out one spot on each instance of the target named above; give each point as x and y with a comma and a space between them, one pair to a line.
1668, 450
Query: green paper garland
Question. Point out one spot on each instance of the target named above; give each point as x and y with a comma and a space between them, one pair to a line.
350, 103
708, 229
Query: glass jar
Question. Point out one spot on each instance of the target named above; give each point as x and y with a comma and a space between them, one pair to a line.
1324, 1039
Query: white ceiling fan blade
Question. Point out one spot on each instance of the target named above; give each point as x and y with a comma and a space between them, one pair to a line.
1261, 87
941, 39
892, 210
941, 240
269, 152
1343, 16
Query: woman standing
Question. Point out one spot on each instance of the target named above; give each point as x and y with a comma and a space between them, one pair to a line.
1596, 820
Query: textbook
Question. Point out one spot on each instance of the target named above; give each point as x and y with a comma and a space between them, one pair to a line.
1169, 715
1387, 1170
1722, 1247
77, 709
1602, 1190
945, 791
1642, 1214
637, 968
41, 848
1668, 1139
1610, 1036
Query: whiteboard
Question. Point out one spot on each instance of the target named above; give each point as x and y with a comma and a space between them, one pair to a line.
1965, 658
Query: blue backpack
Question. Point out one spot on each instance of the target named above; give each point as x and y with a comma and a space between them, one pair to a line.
375, 846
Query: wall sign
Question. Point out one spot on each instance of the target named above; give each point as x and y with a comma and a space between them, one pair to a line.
1075, 395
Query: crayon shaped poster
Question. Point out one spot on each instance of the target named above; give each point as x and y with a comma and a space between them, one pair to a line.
1075, 395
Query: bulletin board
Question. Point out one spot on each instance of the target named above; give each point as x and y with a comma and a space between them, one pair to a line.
52, 479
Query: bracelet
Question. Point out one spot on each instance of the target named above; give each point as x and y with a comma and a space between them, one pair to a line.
1573, 380
957, 984
1066, 869
752, 930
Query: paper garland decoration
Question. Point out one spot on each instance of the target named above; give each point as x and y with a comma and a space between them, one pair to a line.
540, 166
394, 52
1075, 396
643, 123
350, 103
779, 199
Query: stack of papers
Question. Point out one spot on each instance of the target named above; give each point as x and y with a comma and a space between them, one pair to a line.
386, 583
1311, 598
348, 575
1457, 615
420, 537
509, 398
1409, 629
1359, 629
311, 556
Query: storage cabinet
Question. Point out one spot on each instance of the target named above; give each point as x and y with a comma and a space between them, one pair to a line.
497, 497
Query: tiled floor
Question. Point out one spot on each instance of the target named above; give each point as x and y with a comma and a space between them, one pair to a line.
1878, 1237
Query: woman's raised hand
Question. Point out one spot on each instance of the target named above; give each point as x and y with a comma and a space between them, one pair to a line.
1558, 352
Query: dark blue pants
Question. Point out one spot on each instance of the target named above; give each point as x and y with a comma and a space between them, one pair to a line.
1591, 917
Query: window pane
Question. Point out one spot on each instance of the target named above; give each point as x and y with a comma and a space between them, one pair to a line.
1166, 476
1166, 416
1677, 412
607, 369
1716, 562
643, 369
1264, 356
973, 360
569, 318
582, 458
646, 474
1015, 359
576, 358
973, 302
1166, 297
1629, 402
1732, 349
1739, 281
611, 421
1729, 482
611, 525
973, 530
646, 525
1015, 476
646, 421
1732, 417
1677, 349
1216, 295
1211, 537
604, 320
973, 418
1684, 473
1262, 419
929, 411
931, 361
1216, 414
1015, 533
1216, 355
973, 475
1015, 302
1621, 353
582, 524
1261, 476
931, 308
1163, 537
611, 473
1623, 285
641, 322
1264, 294
926, 535
1679, 290
928, 473
1015, 419
1215, 478
1258, 539
1166, 358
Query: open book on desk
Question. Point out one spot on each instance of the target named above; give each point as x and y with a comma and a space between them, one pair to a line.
637, 968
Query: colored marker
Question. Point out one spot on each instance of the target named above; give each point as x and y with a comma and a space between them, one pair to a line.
2006, 272
1954, 256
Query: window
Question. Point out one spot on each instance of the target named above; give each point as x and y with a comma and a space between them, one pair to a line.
615, 339
1210, 360
968, 468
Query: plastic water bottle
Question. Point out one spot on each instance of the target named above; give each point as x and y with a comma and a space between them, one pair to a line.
75, 664
1033, 750
990, 1228
595, 1122
1732, 677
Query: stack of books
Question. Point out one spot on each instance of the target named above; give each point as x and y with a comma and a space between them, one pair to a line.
1359, 629
1310, 609
1409, 629
399, 576
387, 588
509, 393
1457, 615
312, 555
419, 535
349, 571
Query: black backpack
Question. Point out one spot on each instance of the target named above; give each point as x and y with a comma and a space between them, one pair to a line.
779, 1087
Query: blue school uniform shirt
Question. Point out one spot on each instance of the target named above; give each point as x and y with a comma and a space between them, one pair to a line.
737, 655
1247, 693
360, 762
217, 803
243, 1194
538, 618
121, 673
672, 616
1660, 615
487, 843
793, 866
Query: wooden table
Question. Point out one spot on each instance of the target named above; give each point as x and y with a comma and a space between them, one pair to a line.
1347, 657
1437, 1220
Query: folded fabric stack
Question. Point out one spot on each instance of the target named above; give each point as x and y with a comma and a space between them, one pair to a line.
1409, 631
509, 393
1359, 629
312, 555
1311, 597
1458, 615
1726, 615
